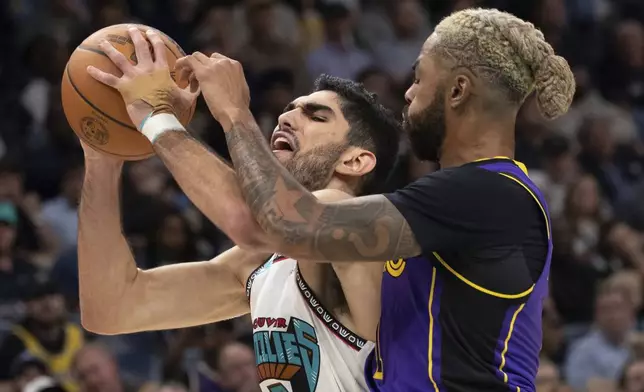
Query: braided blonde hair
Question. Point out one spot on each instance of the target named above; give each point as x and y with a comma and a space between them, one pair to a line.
509, 53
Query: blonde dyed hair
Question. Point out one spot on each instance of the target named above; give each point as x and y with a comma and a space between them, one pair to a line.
510, 54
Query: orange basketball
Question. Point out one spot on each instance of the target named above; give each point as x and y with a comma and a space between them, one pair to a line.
96, 112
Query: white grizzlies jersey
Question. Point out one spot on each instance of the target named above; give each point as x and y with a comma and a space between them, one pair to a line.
299, 345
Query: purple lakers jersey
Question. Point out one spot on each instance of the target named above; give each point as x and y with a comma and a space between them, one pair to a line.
465, 315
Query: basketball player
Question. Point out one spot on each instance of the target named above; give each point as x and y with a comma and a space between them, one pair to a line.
308, 335
461, 305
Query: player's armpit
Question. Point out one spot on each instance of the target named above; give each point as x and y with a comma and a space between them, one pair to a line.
361, 287
185, 294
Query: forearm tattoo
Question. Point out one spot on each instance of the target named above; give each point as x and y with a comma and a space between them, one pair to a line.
359, 229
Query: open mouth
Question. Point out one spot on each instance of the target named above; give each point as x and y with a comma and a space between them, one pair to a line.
283, 141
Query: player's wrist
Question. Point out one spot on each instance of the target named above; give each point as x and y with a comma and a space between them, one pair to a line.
233, 116
157, 124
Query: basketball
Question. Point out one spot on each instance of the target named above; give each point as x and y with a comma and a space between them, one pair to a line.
96, 112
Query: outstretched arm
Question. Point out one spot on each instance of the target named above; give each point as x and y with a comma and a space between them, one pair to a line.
118, 297
364, 228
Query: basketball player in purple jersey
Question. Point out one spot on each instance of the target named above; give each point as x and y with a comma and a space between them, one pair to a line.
469, 245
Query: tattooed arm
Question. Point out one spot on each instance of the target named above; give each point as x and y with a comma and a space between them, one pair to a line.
364, 228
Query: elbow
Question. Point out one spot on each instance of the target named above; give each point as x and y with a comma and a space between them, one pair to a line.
97, 325
102, 317
246, 233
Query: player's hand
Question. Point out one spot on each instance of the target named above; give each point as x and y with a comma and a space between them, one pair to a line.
221, 81
147, 86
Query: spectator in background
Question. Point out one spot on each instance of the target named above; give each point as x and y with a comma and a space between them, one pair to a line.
277, 88
173, 241
33, 239
604, 351
61, 212
624, 246
214, 30
375, 24
264, 50
588, 102
50, 154
44, 334
26, 368
311, 26
554, 343
560, 168
201, 372
143, 182
95, 370
43, 76
548, 378
379, 82
585, 214
112, 12
396, 56
597, 157
236, 368
629, 282
622, 74
15, 273
339, 55
632, 379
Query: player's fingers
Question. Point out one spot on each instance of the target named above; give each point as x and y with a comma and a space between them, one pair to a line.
192, 65
159, 48
184, 64
117, 57
202, 58
194, 84
182, 70
218, 56
102, 77
141, 47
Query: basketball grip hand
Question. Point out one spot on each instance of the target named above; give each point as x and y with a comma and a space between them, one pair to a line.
154, 88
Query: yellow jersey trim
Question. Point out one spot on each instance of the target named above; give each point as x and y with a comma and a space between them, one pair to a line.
548, 231
543, 210
507, 340
378, 375
481, 288
522, 166
430, 349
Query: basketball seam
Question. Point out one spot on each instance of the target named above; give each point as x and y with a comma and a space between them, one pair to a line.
100, 111
87, 101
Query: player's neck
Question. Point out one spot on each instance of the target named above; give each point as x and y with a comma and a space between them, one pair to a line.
477, 139
340, 185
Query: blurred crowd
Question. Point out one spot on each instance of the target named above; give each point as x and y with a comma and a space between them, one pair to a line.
589, 164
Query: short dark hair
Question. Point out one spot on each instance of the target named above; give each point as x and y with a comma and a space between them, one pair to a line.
372, 127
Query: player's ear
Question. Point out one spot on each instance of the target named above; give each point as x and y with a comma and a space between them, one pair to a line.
461, 88
356, 162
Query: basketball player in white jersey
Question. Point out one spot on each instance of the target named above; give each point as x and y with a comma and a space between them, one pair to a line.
311, 323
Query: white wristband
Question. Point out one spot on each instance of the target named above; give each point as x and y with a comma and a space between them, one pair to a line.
159, 124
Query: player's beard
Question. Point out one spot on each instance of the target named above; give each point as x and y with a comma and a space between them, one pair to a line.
314, 168
426, 130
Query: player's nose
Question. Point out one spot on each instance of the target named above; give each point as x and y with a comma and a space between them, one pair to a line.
410, 94
286, 120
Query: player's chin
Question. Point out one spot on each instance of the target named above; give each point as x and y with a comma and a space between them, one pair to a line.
283, 155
